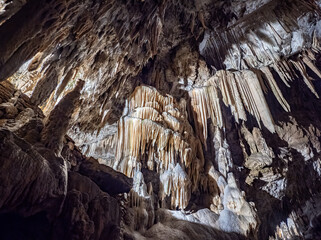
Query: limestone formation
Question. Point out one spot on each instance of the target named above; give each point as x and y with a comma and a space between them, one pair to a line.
161, 119
67, 191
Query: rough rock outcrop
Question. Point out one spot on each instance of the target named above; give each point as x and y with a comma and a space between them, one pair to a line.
212, 107
48, 188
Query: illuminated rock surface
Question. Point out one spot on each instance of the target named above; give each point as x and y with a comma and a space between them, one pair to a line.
160, 119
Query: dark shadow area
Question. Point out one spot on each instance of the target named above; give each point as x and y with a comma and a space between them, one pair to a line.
302, 184
15, 227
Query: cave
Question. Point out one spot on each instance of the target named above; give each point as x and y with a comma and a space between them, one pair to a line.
160, 119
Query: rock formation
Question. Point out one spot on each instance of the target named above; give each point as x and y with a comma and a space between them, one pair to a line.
64, 194
160, 119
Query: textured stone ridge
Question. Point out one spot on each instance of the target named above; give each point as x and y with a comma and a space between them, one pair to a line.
71, 196
209, 110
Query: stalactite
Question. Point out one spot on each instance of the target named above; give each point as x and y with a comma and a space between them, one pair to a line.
307, 59
156, 134
299, 65
159, 139
241, 91
199, 101
316, 47
259, 100
275, 89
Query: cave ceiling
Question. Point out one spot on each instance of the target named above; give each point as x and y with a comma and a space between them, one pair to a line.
211, 106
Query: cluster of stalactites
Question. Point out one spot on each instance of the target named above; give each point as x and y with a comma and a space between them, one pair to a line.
156, 135
241, 91
143, 136
145, 96
244, 92
280, 30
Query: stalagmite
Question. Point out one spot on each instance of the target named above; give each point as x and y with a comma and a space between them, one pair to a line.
57, 122
176, 183
223, 157
206, 106
238, 215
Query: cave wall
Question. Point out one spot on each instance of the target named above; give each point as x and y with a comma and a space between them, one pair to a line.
208, 110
